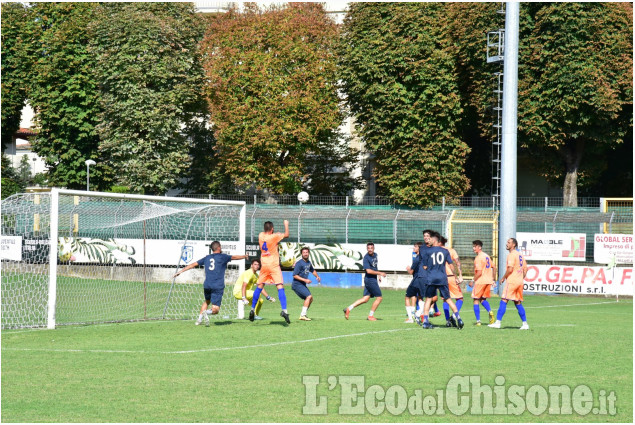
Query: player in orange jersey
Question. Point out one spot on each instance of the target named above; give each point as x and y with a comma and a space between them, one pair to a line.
515, 276
454, 279
482, 282
270, 271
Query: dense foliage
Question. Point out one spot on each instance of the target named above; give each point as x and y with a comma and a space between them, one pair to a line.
162, 97
273, 100
399, 77
575, 89
150, 83
15, 63
63, 91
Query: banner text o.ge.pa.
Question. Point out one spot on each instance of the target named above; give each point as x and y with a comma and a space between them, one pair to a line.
579, 279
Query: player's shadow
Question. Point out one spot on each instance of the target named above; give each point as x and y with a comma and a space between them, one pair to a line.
223, 323
279, 322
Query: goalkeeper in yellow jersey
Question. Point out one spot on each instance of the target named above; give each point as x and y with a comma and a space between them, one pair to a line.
244, 288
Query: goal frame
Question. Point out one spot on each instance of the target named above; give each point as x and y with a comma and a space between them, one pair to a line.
54, 231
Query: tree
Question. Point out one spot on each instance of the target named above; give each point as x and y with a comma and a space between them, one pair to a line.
150, 90
63, 92
273, 99
329, 168
399, 76
15, 66
10, 178
24, 171
575, 88
468, 26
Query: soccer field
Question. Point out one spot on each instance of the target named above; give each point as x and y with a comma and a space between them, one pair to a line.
237, 371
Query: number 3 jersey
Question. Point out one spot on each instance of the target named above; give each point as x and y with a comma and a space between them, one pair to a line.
435, 258
215, 266
484, 263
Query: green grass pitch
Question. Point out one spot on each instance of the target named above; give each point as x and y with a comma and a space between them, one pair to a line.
237, 371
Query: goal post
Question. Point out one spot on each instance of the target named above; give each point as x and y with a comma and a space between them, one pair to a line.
468, 224
76, 257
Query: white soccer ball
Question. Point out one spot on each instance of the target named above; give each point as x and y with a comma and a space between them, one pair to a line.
303, 197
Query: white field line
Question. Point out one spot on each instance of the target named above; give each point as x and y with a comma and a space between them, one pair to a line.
575, 305
206, 350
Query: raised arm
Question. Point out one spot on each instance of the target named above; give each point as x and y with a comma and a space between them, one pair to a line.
186, 268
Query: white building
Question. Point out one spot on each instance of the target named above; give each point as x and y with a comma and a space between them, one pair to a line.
21, 145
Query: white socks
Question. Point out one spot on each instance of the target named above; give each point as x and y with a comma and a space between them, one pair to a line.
371, 313
351, 307
304, 311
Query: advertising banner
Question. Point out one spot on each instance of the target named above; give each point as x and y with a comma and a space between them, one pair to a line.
552, 246
133, 251
580, 280
341, 256
11, 248
613, 249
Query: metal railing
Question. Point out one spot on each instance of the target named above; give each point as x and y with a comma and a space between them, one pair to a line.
488, 202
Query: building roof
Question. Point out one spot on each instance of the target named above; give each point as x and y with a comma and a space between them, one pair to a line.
25, 132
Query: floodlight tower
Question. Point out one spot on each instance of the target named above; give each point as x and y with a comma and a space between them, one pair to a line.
507, 219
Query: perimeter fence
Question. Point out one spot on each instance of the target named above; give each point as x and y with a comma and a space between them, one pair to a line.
342, 219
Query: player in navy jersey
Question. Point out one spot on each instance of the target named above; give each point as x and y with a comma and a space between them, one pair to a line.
371, 286
420, 282
435, 259
214, 284
412, 292
301, 272
423, 278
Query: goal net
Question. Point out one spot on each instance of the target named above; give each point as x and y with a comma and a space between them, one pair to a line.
73, 257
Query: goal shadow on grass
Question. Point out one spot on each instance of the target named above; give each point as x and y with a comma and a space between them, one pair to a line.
223, 323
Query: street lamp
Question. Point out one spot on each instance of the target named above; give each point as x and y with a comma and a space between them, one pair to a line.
88, 163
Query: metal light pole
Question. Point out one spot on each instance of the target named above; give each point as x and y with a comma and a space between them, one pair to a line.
507, 227
88, 163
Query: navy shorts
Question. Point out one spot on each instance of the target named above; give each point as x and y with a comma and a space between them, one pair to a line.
420, 284
431, 291
301, 289
371, 287
214, 295
413, 289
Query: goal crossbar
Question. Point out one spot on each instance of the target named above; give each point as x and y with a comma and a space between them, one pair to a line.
55, 193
